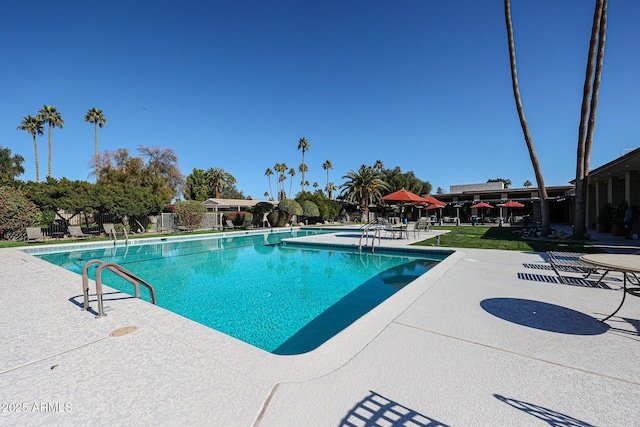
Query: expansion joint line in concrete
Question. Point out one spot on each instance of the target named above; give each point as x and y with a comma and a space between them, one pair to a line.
52, 356
515, 353
265, 405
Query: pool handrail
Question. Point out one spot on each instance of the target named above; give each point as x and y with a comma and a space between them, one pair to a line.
116, 269
371, 225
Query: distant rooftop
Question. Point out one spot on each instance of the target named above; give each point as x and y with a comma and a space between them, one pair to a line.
486, 186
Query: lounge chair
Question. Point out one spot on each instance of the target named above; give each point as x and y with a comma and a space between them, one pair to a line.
35, 234
75, 232
569, 262
110, 229
229, 225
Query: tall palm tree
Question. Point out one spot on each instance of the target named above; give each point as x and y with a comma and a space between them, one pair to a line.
281, 168
589, 106
268, 173
33, 125
216, 177
364, 187
542, 189
292, 172
326, 166
379, 166
315, 186
52, 117
527, 183
96, 117
302, 169
303, 145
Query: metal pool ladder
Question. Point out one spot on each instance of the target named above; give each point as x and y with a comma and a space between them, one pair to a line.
373, 225
116, 269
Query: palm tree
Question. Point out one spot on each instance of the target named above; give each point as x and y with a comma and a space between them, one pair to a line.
527, 184
379, 166
268, 173
96, 117
49, 115
216, 177
281, 168
315, 186
589, 105
292, 172
326, 166
542, 189
303, 145
364, 187
33, 125
331, 187
302, 169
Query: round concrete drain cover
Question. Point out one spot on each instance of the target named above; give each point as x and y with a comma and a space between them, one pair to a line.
123, 331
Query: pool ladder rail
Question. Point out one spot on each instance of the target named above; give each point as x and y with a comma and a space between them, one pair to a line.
366, 229
116, 269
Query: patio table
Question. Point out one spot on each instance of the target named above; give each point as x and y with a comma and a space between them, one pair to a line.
626, 264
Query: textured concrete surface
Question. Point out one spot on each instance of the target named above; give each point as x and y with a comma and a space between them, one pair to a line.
471, 343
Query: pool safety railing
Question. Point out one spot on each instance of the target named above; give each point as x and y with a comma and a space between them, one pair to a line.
114, 236
116, 269
366, 229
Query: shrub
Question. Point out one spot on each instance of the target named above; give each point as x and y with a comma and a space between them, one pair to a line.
290, 205
310, 209
279, 218
262, 208
189, 213
240, 219
16, 213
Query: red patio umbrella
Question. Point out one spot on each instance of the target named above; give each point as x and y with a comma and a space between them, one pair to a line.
433, 202
402, 196
513, 204
481, 205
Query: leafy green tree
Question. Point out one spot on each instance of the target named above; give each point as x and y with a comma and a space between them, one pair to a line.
50, 116
189, 213
163, 170
303, 145
33, 125
364, 187
96, 117
17, 213
197, 188
290, 205
398, 180
10, 166
309, 209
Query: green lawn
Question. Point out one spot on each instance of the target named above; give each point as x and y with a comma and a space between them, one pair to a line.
481, 237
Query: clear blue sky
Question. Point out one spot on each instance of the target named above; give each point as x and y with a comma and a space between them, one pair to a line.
423, 85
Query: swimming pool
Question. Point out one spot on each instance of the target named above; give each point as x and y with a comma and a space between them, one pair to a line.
282, 297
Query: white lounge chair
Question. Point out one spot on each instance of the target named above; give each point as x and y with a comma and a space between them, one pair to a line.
75, 232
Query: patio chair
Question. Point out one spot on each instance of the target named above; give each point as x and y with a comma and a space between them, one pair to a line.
35, 234
389, 228
569, 262
228, 225
75, 232
410, 228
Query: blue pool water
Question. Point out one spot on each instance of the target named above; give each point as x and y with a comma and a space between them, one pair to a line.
282, 297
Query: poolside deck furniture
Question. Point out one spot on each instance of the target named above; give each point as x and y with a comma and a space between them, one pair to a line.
35, 234
228, 225
75, 232
628, 265
571, 262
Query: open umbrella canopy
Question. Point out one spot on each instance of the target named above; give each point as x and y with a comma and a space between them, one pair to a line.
402, 196
433, 202
512, 204
481, 205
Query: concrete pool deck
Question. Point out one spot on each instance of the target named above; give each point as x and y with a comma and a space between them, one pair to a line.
482, 339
